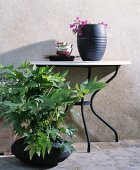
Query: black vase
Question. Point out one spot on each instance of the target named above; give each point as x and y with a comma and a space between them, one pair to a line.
92, 43
50, 160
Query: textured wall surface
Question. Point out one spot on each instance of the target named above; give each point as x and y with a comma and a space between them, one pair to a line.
28, 30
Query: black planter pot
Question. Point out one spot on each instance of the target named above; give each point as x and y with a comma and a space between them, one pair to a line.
92, 43
50, 160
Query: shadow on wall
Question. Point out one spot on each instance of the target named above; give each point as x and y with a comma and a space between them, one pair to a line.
37, 51
31, 52
80, 74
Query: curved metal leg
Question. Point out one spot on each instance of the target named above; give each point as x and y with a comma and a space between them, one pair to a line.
91, 106
85, 127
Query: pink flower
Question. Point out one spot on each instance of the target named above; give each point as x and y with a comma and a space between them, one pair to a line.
78, 18
78, 25
72, 25
105, 24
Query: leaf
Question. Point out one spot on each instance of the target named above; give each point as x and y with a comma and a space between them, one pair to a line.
34, 67
44, 143
70, 131
24, 65
67, 146
75, 114
64, 73
42, 135
38, 150
53, 134
10, 67
43, 147
31, 149
95, 79
91, 86
77, 87
42, 70
10, 104
31, 152
62, 129
1, 66
49, 145
27, 148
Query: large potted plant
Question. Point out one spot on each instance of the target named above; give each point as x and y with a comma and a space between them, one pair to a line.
35, 101
91, 39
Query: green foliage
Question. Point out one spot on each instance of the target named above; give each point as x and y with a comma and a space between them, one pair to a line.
34, 100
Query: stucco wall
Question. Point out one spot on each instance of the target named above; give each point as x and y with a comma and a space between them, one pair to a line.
29, 28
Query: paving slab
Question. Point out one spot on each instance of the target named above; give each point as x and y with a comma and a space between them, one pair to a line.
124, 155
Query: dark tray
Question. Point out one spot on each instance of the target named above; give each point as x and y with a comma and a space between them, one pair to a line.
61, 58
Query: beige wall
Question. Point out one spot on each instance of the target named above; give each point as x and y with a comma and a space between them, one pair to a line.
29, 28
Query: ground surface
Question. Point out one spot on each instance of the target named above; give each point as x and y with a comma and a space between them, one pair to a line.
124, 155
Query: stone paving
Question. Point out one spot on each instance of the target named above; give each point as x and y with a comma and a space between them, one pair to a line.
124, 155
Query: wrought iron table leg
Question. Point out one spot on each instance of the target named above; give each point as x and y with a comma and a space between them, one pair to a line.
85, 127
91, 106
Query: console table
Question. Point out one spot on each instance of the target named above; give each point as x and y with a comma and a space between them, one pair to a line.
88, 65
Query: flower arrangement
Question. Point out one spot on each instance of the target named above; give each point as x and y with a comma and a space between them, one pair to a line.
79, 24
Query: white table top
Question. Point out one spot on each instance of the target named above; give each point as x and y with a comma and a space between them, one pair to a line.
81, 63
